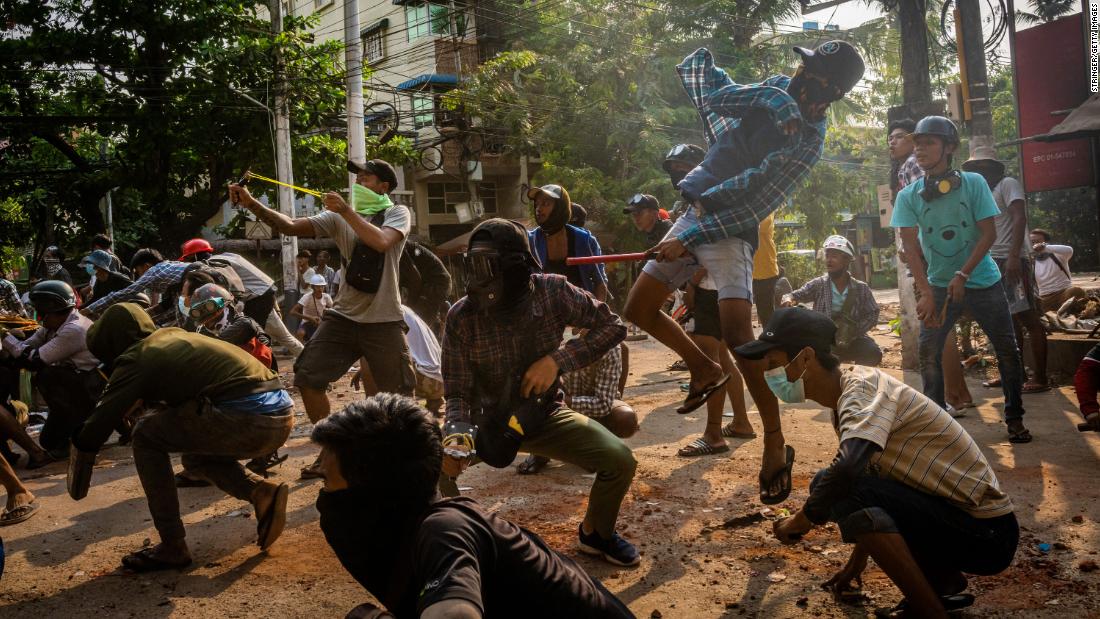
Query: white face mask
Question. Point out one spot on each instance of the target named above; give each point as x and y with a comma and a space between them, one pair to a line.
784, 389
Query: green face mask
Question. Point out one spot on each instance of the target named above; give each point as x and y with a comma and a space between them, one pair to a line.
366, 202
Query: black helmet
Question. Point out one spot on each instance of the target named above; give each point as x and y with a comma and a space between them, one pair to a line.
684, 153
836, 61
938, 126
52, 296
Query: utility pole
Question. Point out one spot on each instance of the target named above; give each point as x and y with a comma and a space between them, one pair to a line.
284, 168
968, 15
353, 62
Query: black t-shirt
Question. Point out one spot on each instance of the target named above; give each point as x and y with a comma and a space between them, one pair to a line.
460, 552
114, 282
657, 232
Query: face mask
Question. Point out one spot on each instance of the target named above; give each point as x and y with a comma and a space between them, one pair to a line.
181, 306
785, 390
89, 269
676, 176
366, 202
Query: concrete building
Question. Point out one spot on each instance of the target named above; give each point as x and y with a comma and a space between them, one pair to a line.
416, 51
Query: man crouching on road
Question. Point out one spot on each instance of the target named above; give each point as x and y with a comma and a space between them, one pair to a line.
423, 556
502, 354
908, 486
193, 395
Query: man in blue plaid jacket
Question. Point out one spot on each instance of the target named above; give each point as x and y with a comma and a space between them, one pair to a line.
763, 138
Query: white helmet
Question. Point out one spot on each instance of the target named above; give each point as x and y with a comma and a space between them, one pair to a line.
318, 280
840, 243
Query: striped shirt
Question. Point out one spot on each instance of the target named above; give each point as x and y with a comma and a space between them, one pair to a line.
594, 388
160, 277
922, 446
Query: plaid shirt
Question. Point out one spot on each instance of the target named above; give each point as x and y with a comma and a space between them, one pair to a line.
819, 290
9, 299
741, 202
158, 278
481, 352
593, 389
909, 172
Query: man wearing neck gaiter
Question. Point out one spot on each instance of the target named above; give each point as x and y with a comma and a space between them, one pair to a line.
423, 556
502, 355
554, 240
366, 318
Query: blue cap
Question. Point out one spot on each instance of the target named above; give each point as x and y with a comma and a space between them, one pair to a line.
98, 258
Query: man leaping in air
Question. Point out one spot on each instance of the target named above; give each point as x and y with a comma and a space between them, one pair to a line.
764, 138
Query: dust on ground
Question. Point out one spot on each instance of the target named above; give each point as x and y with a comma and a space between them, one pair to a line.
64, 561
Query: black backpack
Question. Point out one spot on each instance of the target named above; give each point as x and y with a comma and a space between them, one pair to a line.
363, 271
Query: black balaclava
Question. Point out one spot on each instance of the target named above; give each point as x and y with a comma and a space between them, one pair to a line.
558, 217
509, 284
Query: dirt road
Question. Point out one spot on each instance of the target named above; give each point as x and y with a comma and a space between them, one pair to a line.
63, 562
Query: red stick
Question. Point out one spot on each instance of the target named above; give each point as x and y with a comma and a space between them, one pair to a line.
609, 258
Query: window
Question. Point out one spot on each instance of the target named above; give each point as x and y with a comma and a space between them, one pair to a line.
317, 4
442, 197
374, 45
428, 18
487, 193
423, 111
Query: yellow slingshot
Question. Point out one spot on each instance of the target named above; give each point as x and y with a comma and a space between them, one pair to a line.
295, 187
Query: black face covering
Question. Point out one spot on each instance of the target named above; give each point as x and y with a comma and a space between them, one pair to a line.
676, 176
559, 216
499, 267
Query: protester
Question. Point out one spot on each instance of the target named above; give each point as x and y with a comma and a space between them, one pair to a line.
764, 140
426, 355
52, 268
311, 307
643, 210
1086, 382
579, 217
155, 275
680, 160
701, 299
219, 406
1052, 274
908, 485
323, 258
1011, 251
554, 240
765, 271
502, 354
428, 286
102, 242
366, 319
904, 169
305, 272
594, 392
435, 557
105, 280
947, 217
847, 301
65, 372
10, 304
20, 504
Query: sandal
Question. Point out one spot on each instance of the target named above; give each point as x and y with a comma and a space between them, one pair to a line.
1092, 424
313, 471
729, 432
1017, 433
262, 466
783, 475
695, 399
699, 447
18, 514
145, 561
269, 525
1031, 387
992, 384
532, 465
186, 481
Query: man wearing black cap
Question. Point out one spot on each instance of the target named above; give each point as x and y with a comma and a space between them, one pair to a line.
908, 486
366, 319
554, 240
502, 355
764, 139
644, 210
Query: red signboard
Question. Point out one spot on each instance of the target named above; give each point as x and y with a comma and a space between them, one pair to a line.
1051, 76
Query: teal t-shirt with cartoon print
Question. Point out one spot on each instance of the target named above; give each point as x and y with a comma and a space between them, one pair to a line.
949, 229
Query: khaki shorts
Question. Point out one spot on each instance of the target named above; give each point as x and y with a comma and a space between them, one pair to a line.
339, 342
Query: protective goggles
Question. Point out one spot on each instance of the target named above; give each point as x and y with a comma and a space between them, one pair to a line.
677, 151
638, 200
482, 268
207, 308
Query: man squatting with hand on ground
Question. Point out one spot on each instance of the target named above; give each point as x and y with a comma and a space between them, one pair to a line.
764, 139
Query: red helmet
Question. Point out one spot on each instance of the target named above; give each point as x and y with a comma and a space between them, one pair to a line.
195, 246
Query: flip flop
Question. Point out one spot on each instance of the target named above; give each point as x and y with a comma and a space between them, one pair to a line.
699, 447
532, 465
144, 561
784, 475
992, 384
18, 514
695, 399
270, 524
1034, 388
312, 471
1019, 435
729, 432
